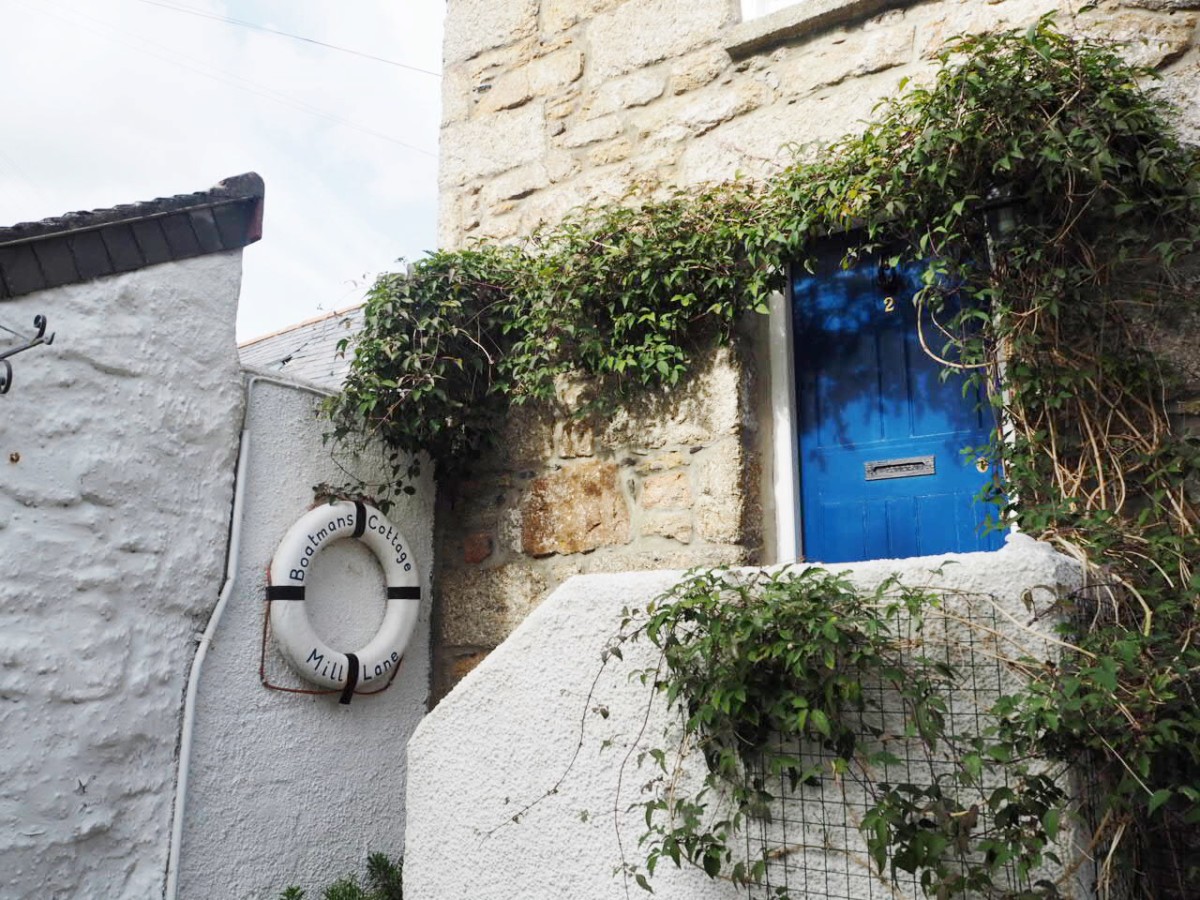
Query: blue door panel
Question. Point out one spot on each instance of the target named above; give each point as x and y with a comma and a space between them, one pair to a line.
870, 396
844, 524
903, 539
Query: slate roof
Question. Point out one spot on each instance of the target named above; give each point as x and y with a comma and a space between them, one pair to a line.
307, 351
80, 246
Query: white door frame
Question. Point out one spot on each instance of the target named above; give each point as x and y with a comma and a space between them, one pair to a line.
785, 451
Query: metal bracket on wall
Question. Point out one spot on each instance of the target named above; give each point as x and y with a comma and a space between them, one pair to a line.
39, 322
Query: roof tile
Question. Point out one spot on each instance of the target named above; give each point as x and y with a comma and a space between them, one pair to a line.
83, 245
21, 271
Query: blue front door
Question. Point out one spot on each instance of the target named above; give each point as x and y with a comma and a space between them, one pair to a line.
883, 472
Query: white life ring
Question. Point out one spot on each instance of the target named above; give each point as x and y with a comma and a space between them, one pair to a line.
371, 668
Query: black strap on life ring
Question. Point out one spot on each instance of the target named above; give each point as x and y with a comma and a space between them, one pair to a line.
285, 592
360, 518
351, 679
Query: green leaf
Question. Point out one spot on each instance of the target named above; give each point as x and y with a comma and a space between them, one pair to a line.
1157, 799
1050, 822
820, 722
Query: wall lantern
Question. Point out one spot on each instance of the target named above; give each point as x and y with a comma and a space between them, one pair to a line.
1001, 218
1001, 214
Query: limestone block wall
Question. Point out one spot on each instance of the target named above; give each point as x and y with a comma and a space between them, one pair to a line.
549, 105
552, 104
667, 483
119, 447
464, 790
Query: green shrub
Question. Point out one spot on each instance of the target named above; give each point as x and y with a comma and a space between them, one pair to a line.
384, 882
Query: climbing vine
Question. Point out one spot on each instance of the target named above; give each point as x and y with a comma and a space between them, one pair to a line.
1054, 316
799, 678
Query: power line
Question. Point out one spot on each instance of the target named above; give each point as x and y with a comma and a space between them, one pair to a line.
201, 68
296, 37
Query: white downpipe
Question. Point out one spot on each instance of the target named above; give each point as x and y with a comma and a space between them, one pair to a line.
231, 564
189, 702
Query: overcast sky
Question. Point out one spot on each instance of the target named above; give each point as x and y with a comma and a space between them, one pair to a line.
116, 101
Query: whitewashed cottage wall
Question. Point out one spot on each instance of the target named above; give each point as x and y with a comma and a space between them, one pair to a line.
119, 444
119, 447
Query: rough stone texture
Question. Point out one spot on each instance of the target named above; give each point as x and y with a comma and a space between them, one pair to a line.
661, 462
590, 98
573, 439
528, 438
669, 490
649, 85
560, 496
1151, 40
721, 487
476, 148
1183, 89
481, 605
555, 71
479, 25
628, 92
515, 184
465, 662
674, 525
119, 447
574, 510
316, 782
477, 547
639, 32
464, 789
691, 414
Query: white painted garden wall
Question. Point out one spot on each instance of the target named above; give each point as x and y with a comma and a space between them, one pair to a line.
288, 788
118, 450
120, 446
504, 736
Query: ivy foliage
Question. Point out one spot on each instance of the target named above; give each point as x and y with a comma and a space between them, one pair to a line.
623, 295
798, 677
1054, 316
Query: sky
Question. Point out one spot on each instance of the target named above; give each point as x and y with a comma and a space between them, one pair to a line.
118, 101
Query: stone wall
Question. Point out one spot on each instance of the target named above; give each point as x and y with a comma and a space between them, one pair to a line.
120, 441
668, 483
552, 104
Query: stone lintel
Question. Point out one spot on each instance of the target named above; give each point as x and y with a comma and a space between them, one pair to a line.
800, 21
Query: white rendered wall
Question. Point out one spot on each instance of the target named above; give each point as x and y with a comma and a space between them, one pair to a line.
287, 788
119, 444
503, 737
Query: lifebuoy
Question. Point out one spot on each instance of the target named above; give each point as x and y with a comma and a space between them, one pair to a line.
371, 668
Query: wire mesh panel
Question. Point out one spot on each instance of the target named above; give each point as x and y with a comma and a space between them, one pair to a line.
811, 834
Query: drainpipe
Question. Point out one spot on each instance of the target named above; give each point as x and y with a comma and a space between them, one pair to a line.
193, 682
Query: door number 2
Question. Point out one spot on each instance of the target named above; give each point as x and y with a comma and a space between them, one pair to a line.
889, 304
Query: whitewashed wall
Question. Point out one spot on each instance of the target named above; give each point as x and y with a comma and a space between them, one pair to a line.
503, 737
119, 444
286, 788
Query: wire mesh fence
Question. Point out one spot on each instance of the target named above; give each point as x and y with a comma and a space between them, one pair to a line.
811, 838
